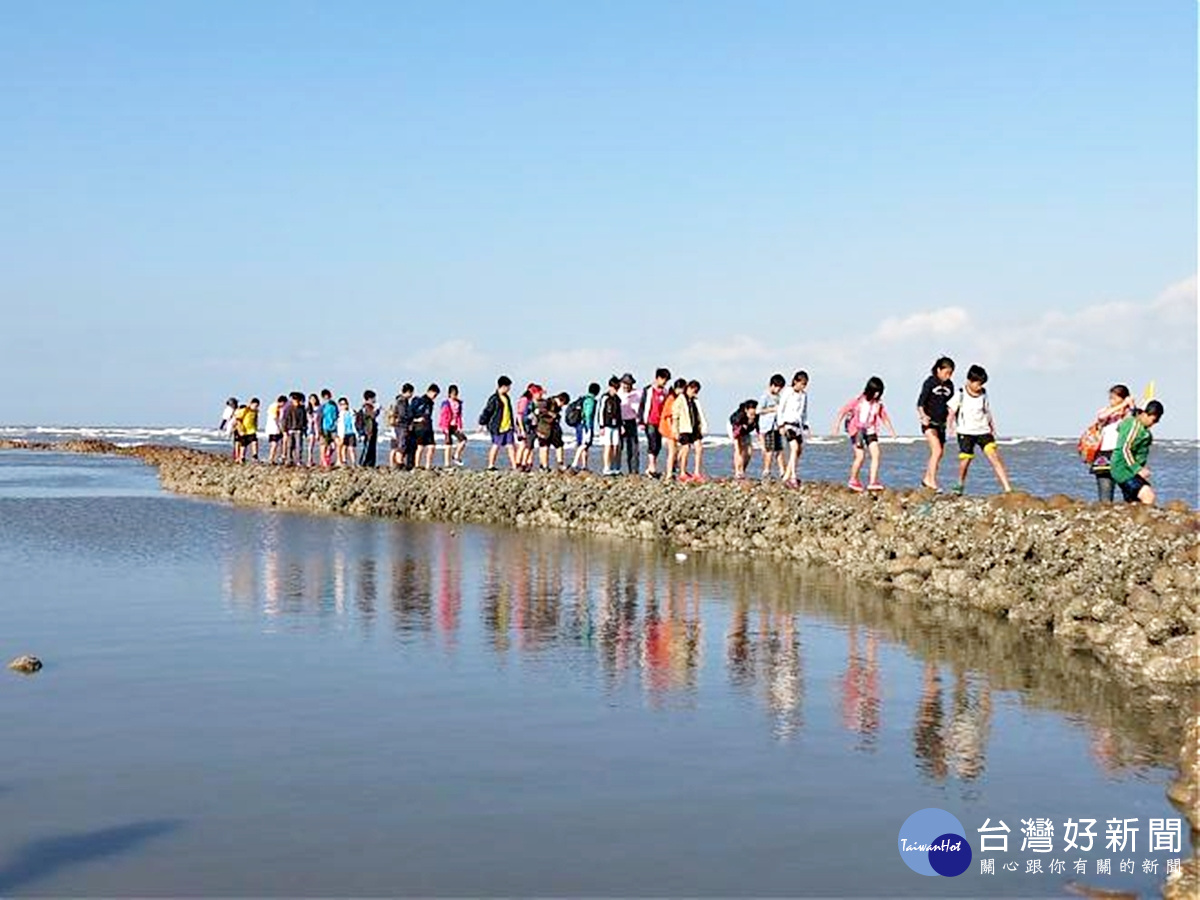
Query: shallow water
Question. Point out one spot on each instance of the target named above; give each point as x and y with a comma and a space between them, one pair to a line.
251, 702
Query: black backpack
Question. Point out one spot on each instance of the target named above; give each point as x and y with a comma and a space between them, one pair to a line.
489, 410
575, 412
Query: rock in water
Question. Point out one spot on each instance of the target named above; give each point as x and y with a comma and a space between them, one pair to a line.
25, 664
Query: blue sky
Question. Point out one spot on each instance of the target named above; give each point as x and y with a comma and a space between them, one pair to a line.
213, 198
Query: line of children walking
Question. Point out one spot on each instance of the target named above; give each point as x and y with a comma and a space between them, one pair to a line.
668, 416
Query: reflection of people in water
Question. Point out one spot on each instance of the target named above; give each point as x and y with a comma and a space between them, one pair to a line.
969, 726
782, 675
739, 648
449, 597
928, 743
861, 704
496, 601
957, 745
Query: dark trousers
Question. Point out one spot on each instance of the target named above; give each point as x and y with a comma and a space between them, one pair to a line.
629, 440
366, 454
410, 448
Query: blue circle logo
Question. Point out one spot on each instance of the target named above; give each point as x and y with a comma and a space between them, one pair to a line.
933, 842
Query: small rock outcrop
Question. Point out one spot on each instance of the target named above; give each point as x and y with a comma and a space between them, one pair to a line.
26, 665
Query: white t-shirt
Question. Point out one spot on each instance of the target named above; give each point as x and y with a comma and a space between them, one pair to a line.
972, 414
273, 419
793, 408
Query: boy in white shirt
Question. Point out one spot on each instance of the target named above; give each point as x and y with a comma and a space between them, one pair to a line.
971, 418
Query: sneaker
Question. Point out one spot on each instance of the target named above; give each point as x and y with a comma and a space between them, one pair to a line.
855, 485
957, 489
875, 486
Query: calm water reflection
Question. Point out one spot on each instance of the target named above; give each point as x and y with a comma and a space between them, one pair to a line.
332, 706
634, 615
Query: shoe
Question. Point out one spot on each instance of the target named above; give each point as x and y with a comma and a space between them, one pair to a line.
875, 486
933, 487
491, 469
957, 489
792, 483
684, 479
699, 479
855, 485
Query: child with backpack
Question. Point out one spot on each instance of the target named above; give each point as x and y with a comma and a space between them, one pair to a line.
549, 430
861, 418
499, 419
398, 418
450, 424
581, 415
346, 434
743, 425
421, 439
975, 427
1098, 454
527, 425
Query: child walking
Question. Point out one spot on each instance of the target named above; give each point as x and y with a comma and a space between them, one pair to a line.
1120, 405
933, 413
347, 434
667, 428
585, 428
743, 425
975, 427
792, 422
450, 424
861, 418
691, 426
768, 426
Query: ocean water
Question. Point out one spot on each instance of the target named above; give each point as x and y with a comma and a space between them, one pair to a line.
1041, 466
258, 703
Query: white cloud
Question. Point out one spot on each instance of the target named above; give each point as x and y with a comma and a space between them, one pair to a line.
559, 366
451, 356
941, 322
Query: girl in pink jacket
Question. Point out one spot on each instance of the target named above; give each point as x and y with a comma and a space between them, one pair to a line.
862, 418
450, 424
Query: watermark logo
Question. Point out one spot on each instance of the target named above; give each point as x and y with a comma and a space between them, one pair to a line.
933, 842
